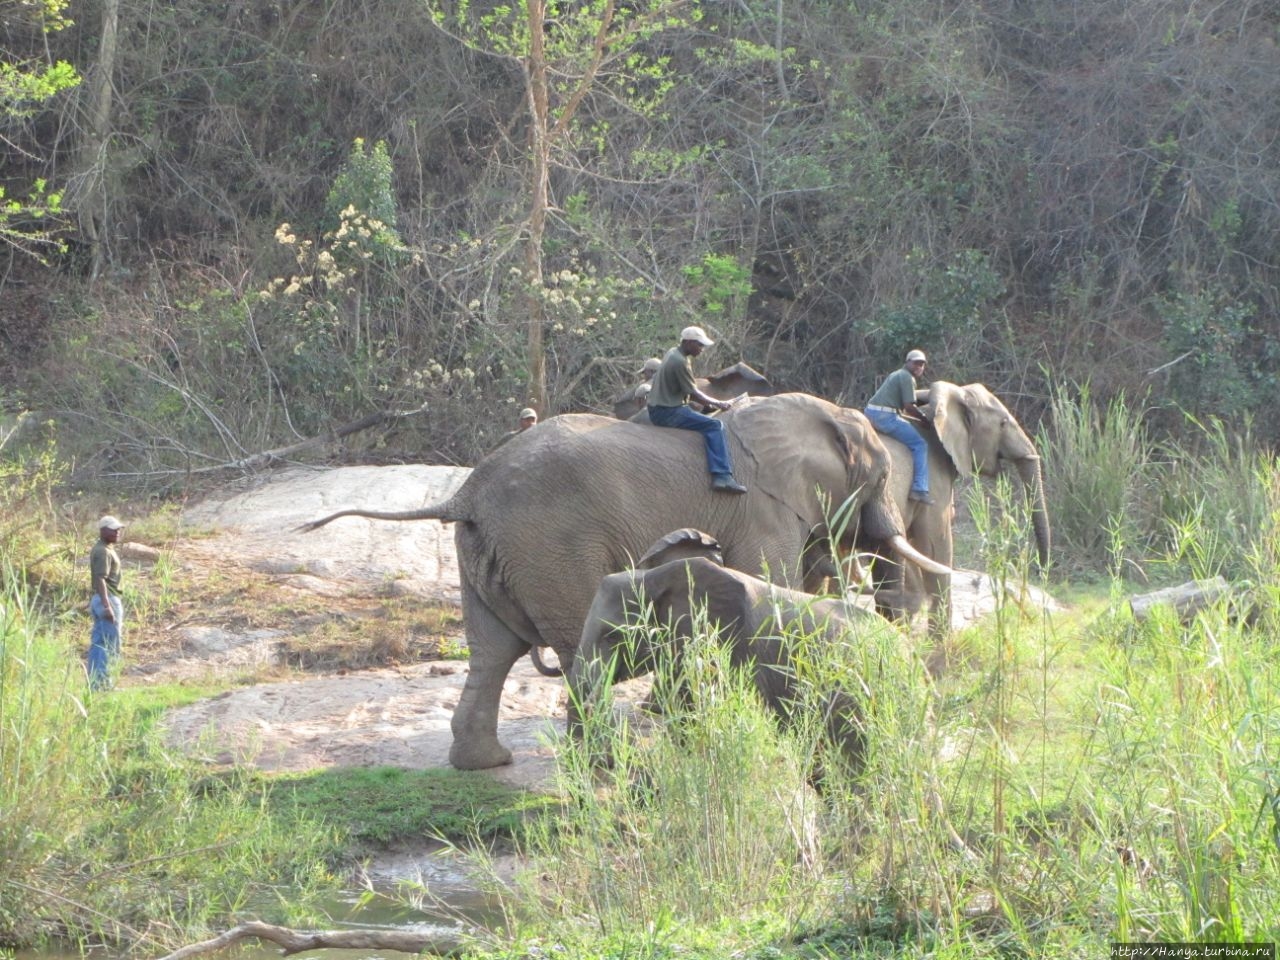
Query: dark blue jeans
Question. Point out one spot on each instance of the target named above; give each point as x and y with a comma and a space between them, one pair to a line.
892, 425
712, 430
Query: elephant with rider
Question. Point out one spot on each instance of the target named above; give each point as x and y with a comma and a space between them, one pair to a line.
969, 432
540, 521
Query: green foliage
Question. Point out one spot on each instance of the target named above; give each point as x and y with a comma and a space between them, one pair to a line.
949, 308
1224, 359
1206, 533
25, 85
22, 90
360, 210
105, 835
720, 284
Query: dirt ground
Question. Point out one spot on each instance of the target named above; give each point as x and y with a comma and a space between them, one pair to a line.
260, 590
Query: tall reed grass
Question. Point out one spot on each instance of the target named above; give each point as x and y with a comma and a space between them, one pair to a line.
1198, 504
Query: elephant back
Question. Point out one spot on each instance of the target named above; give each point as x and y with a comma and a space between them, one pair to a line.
793, 445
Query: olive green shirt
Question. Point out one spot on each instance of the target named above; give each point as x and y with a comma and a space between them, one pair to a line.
897, 391
673, 383
104, 564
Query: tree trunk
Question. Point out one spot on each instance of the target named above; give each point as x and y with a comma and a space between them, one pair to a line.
540, 148
91, 199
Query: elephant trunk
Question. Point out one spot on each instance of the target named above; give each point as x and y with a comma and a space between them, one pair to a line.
585, 680
1032, 476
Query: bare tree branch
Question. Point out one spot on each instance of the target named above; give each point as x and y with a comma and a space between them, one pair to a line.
295, 941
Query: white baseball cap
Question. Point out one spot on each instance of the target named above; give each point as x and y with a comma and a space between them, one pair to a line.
651, 365
915, 355
698, 334
110, 523
528, 412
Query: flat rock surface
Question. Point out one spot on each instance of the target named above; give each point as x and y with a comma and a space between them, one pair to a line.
258, 522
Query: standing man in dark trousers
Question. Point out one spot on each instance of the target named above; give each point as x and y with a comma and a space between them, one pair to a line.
673, 386
897, 395
104, 603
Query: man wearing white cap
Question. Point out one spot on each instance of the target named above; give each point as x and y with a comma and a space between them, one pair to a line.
104, 603
885, 408
668, 404
525, 419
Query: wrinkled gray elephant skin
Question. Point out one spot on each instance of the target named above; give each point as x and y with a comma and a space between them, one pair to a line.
542, 519
757, 622
969, 431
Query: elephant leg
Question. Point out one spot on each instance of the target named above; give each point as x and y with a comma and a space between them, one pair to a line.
940, 611
940, 606
494, 651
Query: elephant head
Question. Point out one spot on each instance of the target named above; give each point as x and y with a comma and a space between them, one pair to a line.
980, 434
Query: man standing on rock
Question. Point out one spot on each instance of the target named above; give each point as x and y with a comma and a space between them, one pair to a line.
105, 605
673, 386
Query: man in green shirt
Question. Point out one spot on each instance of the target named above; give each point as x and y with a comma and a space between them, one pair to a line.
668, 405
885, 408
104, 603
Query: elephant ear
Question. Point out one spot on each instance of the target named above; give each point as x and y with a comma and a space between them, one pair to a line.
736, 380
950, 415
682, 544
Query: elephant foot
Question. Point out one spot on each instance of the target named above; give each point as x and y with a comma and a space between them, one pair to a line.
478, 755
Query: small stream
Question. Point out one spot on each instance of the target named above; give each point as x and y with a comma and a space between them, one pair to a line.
393, 908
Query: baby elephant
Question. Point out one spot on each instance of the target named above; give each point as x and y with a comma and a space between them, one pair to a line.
754, 617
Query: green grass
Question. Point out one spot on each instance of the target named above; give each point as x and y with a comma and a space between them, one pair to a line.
378, 807
106, 836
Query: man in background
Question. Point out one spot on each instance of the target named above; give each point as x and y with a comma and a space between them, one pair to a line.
105, 605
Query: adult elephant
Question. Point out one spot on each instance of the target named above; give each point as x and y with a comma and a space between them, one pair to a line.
969, 431
544, 517
681, 578
725, 384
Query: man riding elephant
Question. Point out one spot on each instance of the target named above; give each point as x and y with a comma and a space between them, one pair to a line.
673, 386
885, 409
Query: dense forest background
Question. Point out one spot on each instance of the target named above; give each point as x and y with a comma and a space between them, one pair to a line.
277, 216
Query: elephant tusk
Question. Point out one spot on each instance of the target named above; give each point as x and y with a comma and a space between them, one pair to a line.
908, 552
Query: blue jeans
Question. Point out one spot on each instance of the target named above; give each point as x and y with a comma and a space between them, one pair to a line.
712, 430
892, 425
104, 641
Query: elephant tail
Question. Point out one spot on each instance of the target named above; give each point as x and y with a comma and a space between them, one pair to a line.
445, 511
536, 657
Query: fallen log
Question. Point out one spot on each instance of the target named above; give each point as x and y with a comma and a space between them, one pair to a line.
296, 941
1186, 599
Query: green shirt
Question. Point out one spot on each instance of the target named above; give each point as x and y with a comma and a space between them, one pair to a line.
898, 390
104, 564
673, 383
